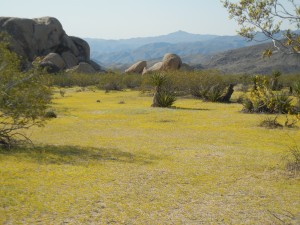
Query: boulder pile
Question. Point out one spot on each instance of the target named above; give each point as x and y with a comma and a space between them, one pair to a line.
169, 62
45, 38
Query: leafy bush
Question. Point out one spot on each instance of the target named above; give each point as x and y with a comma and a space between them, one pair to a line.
263, 100
209, 86
75, 79
24, 98
111, 82
132, 81
117, 82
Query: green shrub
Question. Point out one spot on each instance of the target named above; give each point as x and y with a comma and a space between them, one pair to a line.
111, 82
24, 98
75, 79
263, 100
132, 81
208, 85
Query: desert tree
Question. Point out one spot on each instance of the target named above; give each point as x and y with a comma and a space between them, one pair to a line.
24, 98
268, 17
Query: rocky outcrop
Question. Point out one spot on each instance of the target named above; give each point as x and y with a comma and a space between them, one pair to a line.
83, 48
155, 67
137, 67
70, 59
54, 60
45, 38
82, 67
169, 62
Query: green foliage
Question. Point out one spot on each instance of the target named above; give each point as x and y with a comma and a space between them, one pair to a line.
24, 98
267, 16
208, 86
111, 82
132, 81
74, 79
263, 100
117, 82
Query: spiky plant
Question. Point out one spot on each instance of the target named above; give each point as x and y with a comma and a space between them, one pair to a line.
163, 94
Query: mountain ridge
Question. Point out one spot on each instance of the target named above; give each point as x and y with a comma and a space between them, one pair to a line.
209, 51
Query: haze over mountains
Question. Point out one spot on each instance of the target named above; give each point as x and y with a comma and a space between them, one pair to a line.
201, 51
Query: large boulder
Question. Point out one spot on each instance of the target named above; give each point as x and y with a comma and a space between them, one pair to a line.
31, 38
171, 62
96, 66
83, 48
137, 67
156, 67
54, 59
70, 59
82, 67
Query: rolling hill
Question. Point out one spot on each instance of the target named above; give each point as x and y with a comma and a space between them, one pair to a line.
249, 60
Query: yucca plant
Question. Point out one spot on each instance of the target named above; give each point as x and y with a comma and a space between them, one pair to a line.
215, 93
165, 99
164, 96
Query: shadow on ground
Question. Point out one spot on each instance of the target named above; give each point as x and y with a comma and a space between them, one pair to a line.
51, 154
184, 108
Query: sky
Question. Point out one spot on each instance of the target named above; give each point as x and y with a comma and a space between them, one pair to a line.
120, 19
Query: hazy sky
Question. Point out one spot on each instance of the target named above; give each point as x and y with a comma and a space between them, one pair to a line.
116, 19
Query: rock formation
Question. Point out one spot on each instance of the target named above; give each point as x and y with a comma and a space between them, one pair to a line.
137, 67
82, 67
169, 62
45, 38
155, 67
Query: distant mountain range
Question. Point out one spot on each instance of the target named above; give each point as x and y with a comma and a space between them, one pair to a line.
232, 54
128, 51
109, 46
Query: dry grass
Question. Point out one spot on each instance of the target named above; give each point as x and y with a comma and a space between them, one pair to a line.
111, 163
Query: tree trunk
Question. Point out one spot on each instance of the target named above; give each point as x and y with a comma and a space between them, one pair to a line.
226, 97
